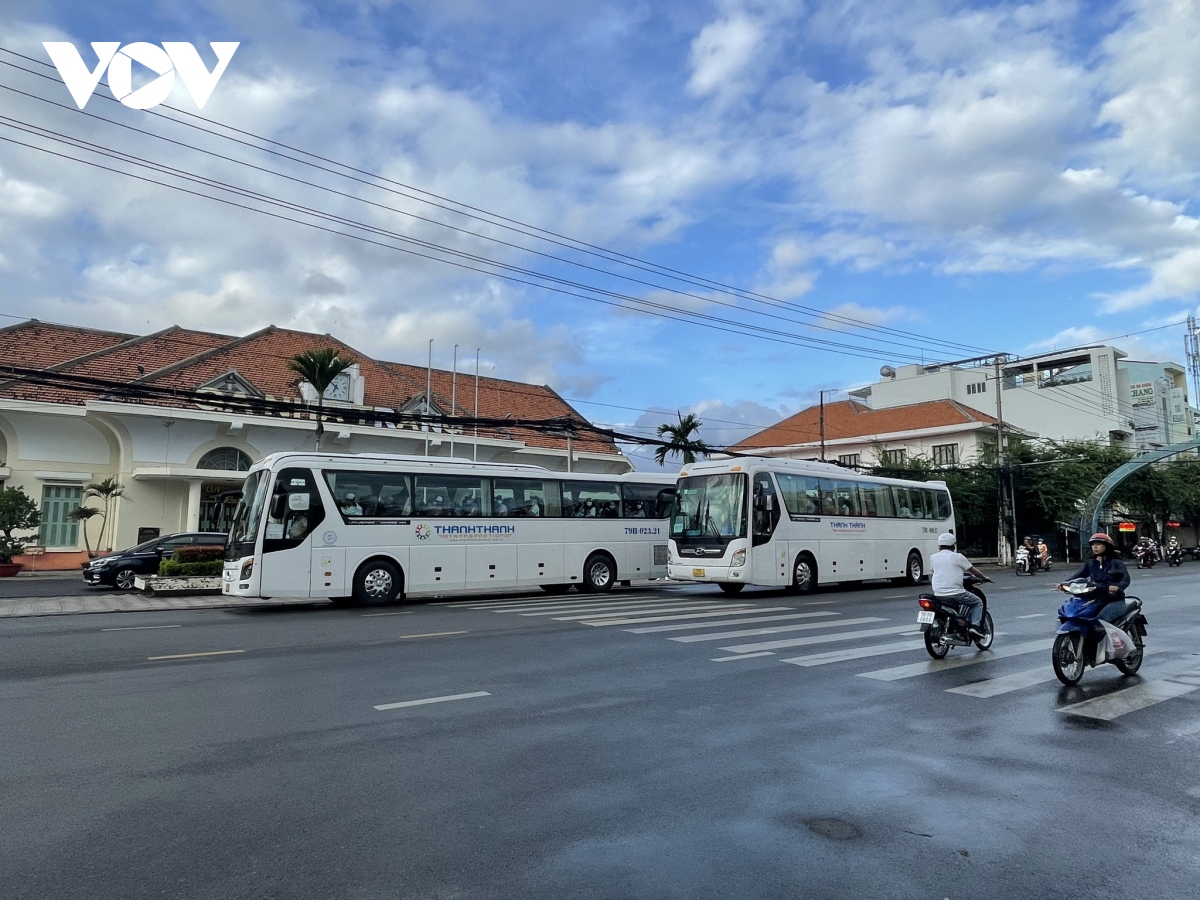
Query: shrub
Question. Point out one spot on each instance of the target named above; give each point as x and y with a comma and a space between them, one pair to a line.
176, 569
17, 513
198, 554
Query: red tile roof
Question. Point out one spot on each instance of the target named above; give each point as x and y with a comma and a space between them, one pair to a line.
847, 419
187, 360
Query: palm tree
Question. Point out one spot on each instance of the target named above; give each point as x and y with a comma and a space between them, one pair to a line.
319, 368
107, 490
681, 439
81, 515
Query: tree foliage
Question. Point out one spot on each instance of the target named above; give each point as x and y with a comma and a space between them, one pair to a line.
319, 368
17, 513
681, 440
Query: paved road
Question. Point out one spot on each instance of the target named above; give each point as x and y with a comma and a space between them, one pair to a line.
656, 744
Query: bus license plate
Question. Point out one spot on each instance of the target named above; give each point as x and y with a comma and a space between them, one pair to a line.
697, 573
925, 617
227, 588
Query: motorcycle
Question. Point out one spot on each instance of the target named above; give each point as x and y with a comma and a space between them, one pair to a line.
1024, 562
1044, 561
1175, 556
1147, 555
944, 622
1084, 640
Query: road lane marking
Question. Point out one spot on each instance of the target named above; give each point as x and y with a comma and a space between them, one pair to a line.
994, 687
819, 602
591, 600
721, 623
817, 639
140, 627
1129, 700
403, 703
406, 637
775, 629
836, 656
600, 607
743, 656
407, 612
940, 665
194, 655
1033, 615
575, 617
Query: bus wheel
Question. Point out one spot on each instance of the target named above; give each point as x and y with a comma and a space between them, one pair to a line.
914, 570
599, 574
732, 587
804, 575
555, 588
376, 583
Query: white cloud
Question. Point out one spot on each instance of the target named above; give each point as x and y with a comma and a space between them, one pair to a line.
721, 51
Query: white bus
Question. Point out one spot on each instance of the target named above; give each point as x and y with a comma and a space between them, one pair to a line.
795, 524
373, 528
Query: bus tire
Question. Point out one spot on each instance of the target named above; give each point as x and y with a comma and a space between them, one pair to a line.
914, 569
599, 574
731, 587
804, 575
378, 582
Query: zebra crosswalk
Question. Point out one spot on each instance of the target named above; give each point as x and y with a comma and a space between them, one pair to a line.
731, 626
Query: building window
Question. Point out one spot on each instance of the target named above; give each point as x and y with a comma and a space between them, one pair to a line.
893, 457
225, 459
849, 460
1065, 371
945, 454
978, 388
58, 502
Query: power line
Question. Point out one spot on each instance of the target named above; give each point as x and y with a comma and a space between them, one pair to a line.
611, 256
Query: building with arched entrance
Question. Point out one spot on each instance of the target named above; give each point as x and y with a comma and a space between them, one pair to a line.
158, 414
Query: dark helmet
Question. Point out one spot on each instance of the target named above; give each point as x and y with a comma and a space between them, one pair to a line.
1102, 538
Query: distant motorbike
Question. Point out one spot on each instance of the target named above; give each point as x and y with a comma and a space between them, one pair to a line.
1024, 562
1146, 554
944, 622
1044, 561
1174, 556
1084, 640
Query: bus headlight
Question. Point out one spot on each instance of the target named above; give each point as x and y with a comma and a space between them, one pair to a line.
247, 570
739, 558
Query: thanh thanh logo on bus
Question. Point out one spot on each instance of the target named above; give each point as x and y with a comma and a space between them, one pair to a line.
173, 57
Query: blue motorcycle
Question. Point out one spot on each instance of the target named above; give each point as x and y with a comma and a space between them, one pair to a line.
1081, 636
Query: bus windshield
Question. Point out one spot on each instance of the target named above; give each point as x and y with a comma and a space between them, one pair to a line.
243, 530
709, 507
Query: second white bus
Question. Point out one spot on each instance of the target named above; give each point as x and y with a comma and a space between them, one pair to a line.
373, 528
796, 524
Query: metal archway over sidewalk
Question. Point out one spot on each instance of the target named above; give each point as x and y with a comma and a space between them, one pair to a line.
1095, 503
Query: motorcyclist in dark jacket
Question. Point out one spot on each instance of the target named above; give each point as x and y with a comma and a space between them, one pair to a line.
1107, 570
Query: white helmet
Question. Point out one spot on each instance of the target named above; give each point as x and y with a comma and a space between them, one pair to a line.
946, 539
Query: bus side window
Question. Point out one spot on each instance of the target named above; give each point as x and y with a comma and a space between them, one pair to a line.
900, 496
943, 505
829, 506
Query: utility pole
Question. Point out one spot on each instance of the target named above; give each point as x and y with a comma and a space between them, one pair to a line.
1191, 347
475, 452
428, 392
822, 426
1002, 549
453, 397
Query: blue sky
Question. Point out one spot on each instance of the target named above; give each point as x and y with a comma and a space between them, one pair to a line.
1002, 176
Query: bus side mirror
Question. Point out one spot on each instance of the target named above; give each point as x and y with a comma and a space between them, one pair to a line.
278, 506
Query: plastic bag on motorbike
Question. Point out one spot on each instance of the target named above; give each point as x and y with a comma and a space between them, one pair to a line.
1117, 644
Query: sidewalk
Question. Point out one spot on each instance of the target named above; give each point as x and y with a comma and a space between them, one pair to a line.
19, 607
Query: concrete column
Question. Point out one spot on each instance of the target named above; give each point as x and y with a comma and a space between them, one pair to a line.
193, 505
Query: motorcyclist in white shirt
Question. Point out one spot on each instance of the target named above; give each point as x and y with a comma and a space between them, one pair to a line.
948, 568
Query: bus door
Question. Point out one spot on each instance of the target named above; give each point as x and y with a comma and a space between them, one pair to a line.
768, 556
294, 513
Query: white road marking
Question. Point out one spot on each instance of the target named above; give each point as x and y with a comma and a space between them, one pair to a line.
775, 629
449, 697
816, 639
574, 617
836, 656
819, 602
994, 687
563, 606
405, 637
194, 655
631, 607
407, 612
1033, 615
897, 596
743, 656
1140, 696
714, 624
940, 665
140, 627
